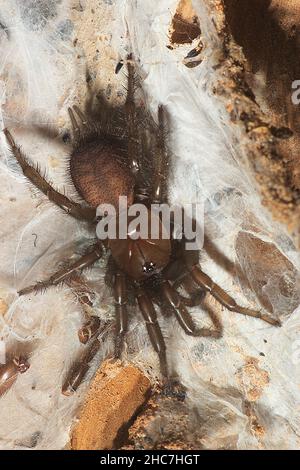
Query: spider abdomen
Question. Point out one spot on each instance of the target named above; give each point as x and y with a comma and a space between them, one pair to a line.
99, 176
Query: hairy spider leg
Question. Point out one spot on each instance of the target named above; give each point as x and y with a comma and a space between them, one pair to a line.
132, 127
89, 336
195, 295
77, 132
33, 174
172, 298
120, 295
80, 367
162, 157
82, 116
65, 273
205, 282
75, 126
157, 340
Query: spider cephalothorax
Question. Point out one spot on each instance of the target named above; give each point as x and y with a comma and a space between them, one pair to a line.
106, 164
141, 258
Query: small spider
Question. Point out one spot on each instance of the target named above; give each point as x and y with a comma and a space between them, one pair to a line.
110, 160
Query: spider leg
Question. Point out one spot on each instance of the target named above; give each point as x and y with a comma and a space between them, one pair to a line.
161, 154
204, 281
130, 110
157, 340
193, 301
89, 329
83, 119
81, 115
120, 294
184, 318
195, 294
75, 126
196, 297
72, 208
79, 369
63, 274
80, 289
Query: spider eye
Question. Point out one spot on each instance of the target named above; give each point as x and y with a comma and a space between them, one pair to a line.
148, 267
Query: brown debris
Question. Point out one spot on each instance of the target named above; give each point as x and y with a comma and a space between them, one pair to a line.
256, 130
170, 423
3, 307
185, 24
252, 379
256, 429
116, 394
166, 423
275, 25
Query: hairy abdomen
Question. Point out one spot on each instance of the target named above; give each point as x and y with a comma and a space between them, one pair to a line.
98, 174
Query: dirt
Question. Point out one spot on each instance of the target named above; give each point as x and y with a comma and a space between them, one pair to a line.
185, 25
92, 42
252, 379
268, 32
166, 423
256, 428
3, 307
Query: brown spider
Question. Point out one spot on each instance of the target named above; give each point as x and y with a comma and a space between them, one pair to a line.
107, 163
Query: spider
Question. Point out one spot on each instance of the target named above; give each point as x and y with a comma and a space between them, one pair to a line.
110, 160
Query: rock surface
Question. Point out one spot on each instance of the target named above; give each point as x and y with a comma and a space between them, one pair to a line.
115, 396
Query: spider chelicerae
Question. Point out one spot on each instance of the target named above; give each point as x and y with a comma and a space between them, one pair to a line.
125, 154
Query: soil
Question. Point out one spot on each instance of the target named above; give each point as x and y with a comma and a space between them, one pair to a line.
185, 25
268, 32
